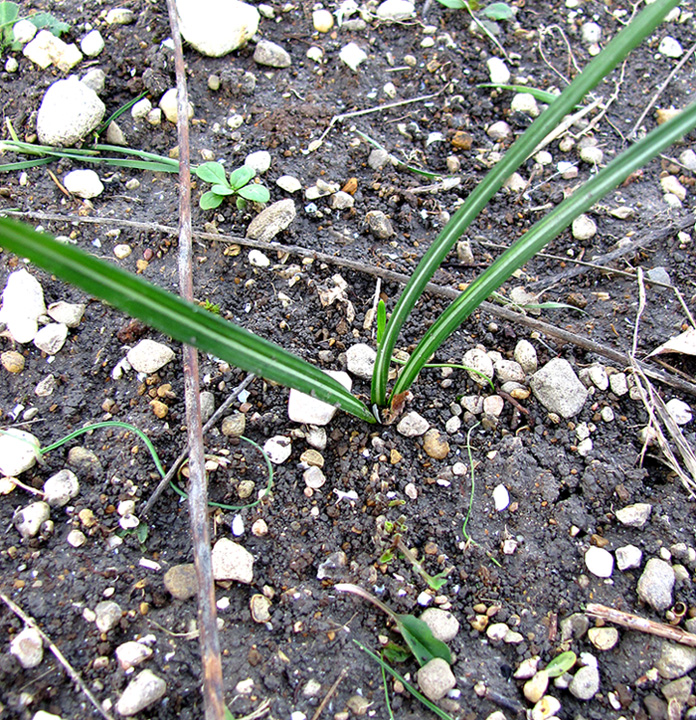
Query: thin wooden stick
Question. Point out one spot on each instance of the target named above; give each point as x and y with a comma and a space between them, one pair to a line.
329, 694
74, 675
213, 689
640, 624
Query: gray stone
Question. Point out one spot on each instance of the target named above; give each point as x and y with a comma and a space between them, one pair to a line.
28, 520
676, 660
234, 425
558, 389
232, 562
69, 112
435, 679
656, 584
509, 371
132, 653
443, 625
412, 425
51, 338
271, 221
108, 615
84, 460
180, 581
207, 400
379, 225
141, 692
585, 683
478, 360
378, 158
18, 451
360, 360
678, 689
395, 10
22, 305
120, 16
217, 27
69, 314
149, 356
60, 488
27, 647
271, 54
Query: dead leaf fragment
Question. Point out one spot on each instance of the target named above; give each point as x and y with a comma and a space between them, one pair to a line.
684, 344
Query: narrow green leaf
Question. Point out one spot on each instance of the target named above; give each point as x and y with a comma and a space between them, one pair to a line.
381, 320
614, 53
541, 95
454, 4
542, 233
182, 320
241, 176
25, 164
222, 190
212, 172
561, 664
210, 200
254, 193
118, 112
498, 11
419, 637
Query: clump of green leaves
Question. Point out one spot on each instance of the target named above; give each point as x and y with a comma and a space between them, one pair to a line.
9, 15
487, 15
238, 185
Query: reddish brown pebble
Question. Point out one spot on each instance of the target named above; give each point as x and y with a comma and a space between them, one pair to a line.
351, 186
462, 140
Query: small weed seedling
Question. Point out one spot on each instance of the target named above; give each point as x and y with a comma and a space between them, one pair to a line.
9, 15
239, 185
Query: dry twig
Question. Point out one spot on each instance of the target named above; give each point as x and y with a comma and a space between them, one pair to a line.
213, 691
74, 675
635, 622
329, 694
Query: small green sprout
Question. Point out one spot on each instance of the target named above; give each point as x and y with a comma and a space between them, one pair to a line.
210, 307
239, 184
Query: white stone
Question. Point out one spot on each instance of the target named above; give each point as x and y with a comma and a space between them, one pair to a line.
493, 405
341, 201
583, 227
585, 447
168, 105
322, 20
585, 683
148, 356
51, 338
442, 623
598, 375
232, 562
568, 170
546, 709
618, 384
558, 389
591, 32
132, 653
45, 387
272, 220
18, 451
527, 668
76, 538
61, 487
525, 103
258, 259
83, 183
315, 54
27, 647
591, 154
314, 478
43, 715
501, 497
497, 632
120, 16
535, 688
303, 408
599, 562
154, 117
670, 47
412, 425
141, 692
525, 354
28, 520
515, 183
107, 615
258, 161
141, 109
634, 515
360, 360
115, 135
478, 360
92, 43
22, 305
352, 55
278, 448
498, 71
69, 314
46, 49
679, 410
69, 112
395, 10
499, 131
688, 159
672, 186
217, 27
289, 183
23, 31
509, 371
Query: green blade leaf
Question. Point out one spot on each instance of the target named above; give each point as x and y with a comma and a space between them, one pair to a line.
212, 172
241, 176
419, 637
454, 4
210, 200
498, 11
255, 193
381, 320
523, 147
9, 13
182, 320
222, 190
542, 233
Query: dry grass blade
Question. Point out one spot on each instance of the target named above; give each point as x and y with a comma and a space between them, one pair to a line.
659, 415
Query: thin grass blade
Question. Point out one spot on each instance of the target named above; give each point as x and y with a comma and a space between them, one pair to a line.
176, 317
540, 234
26, 164
599, 68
